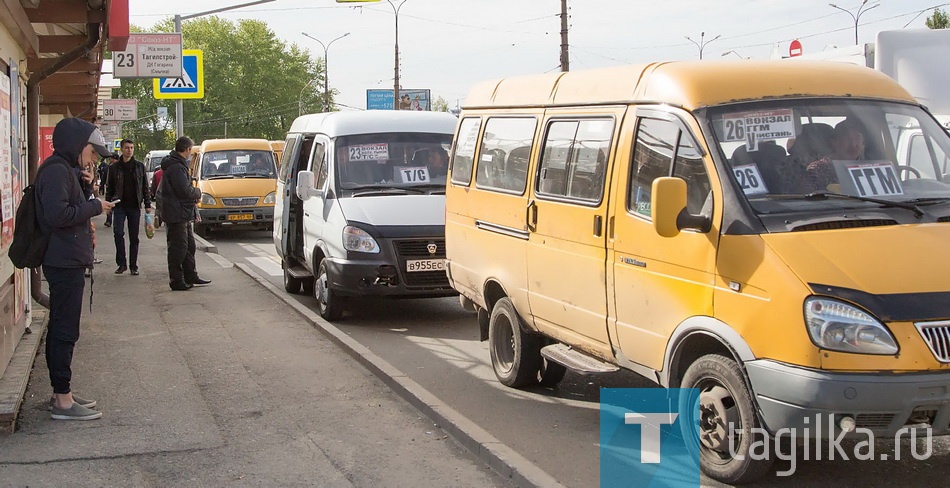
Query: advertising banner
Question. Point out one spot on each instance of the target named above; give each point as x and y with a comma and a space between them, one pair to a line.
409, 99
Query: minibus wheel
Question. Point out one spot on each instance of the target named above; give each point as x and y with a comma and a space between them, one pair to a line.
724, 399
328, 304
515, 354
291, 284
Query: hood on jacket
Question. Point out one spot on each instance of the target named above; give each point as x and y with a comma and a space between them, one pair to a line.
71, 135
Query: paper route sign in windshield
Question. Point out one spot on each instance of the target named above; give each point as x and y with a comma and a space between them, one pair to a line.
752, 127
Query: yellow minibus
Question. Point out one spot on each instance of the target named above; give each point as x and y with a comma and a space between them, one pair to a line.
746, 229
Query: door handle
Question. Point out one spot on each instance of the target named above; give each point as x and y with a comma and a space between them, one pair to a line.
531, 216
306, 214
598, 225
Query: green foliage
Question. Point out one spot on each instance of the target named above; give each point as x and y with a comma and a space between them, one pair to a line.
440, 105
939, 20
253, 82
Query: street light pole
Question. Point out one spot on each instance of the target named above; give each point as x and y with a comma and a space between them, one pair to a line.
396, 64
326, 72
179, 105
856, 17
702, 44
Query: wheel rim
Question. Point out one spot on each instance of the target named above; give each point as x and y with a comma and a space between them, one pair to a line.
720, 422
321, 290
503, 344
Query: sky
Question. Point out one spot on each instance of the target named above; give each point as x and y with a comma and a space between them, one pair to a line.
447, 46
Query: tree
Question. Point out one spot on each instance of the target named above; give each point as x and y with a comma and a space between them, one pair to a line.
440, 105
253, 82
939, 20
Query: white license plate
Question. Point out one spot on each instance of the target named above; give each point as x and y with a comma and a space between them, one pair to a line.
425, 265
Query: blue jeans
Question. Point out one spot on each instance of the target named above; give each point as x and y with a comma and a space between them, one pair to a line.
120, 215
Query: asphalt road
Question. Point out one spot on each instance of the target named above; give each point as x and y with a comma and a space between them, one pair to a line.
435, 342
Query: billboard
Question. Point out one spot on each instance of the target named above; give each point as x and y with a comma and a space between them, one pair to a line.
409, 99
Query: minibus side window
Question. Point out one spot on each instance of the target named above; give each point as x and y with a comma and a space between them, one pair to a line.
652, 158
318, 165
503, 156
464, 154
284, 169
689, 166
574, 159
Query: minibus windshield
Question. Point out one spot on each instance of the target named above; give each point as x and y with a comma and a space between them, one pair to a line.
393, 162
239, 163
817, 155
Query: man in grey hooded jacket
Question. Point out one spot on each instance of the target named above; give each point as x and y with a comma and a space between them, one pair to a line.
63, 190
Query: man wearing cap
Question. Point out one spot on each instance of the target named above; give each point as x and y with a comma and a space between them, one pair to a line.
63, 188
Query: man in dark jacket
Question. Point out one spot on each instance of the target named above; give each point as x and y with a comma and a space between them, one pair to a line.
63, 189
103, 172
127, 182
178, 211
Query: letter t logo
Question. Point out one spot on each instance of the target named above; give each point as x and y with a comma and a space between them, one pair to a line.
649, 432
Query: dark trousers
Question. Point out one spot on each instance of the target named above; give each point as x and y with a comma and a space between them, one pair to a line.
65, 309
181, 252
118, 229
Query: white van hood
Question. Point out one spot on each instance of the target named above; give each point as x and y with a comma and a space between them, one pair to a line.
395, 210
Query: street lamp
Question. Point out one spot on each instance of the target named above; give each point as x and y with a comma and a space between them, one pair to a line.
701, 44
732, 51
326, 73
179, 106
857, 16
396, 63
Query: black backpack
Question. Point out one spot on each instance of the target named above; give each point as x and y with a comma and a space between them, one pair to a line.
29, 242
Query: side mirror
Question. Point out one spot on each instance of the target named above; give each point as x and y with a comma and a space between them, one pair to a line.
668, 203
305, 188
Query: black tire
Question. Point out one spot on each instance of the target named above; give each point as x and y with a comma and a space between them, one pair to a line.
515, 353
550, 373
291, 284
329, 306
724, 398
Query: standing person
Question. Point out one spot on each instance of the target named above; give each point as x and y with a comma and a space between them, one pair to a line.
63, 189
178, 211
127, 182
103, 172
153, 190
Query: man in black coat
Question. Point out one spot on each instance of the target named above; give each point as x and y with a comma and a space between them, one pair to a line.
178, 211
127, 182
64, 187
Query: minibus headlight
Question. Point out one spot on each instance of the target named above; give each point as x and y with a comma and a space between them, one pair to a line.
207, 199
355, 239
270, 198
838, 326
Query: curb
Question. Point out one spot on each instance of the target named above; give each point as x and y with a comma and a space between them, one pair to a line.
203, 245
499, 457
16, 377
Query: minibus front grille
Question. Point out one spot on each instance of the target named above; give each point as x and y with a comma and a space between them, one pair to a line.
420, 249
240, 201
937, 337
844, 224
873, 420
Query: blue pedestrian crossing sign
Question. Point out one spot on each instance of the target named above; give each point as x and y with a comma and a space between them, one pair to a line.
192, 81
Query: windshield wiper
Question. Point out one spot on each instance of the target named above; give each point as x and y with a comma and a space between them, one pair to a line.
824, 195
927, 200
383, 188
218, 177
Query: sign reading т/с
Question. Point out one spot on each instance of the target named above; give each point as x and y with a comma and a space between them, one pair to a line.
149, 56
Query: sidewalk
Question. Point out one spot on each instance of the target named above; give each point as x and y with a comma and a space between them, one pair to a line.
220, 385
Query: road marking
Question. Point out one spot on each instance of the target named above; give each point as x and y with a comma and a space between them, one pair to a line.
267, 265
254, 249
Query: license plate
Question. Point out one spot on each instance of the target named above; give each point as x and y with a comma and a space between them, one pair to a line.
241, 217
425, 265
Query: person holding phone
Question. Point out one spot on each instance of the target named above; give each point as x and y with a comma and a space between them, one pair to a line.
179, 198
127, 189
63, 188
